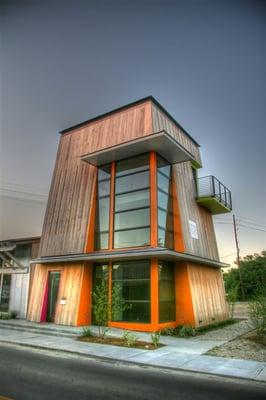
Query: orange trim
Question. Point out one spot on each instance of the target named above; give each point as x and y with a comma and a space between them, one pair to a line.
92, 215
153, 199
85, 300
154, 293
184, 306
179, 244
112, 206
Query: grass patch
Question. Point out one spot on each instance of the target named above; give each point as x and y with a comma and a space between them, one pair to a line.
120, 342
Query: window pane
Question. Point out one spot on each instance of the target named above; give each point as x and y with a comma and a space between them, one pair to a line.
133, 164
132, 182
132, 200
132, 238
165, 238
163, 182
101, 240
166, 292
104, 188
164, 201
132, 219
102, 223
165, 220
163, 166
104, 172
133, 280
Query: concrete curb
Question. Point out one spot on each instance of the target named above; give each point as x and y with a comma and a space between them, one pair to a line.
130, 363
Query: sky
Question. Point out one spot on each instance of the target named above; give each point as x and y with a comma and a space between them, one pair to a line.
63, 62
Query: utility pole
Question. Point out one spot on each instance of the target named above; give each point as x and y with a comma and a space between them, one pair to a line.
238, 258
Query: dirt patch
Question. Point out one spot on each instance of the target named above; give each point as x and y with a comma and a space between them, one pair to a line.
246, 347
119, 342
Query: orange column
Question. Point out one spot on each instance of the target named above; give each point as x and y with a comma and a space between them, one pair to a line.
154, 294
85, 300
112, 206
184, 306
153, 200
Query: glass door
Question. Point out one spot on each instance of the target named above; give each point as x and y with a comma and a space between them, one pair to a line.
53, 285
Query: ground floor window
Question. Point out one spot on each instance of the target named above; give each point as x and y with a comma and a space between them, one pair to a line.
133, 278
166, 272
5, 283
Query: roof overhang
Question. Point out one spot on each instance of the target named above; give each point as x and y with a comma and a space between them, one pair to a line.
160, 142
119, 255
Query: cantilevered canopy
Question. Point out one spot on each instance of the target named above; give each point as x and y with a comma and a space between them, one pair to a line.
161, 142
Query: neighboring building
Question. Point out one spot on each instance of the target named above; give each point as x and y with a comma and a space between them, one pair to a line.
16, 273
126, 204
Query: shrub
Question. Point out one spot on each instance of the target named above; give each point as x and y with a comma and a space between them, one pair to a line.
86, 332
155, 337
129, 338
169, 332
186, 331
5, 315
13, 314
257, 311
232, 298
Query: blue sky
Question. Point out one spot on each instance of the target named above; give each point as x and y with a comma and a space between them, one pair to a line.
63, 62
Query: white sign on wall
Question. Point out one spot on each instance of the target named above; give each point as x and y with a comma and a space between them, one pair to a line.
193, 229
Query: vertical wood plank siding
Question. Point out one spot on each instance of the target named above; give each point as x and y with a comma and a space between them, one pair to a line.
208, 295
205, 245
162, 122
70, 288
66, 219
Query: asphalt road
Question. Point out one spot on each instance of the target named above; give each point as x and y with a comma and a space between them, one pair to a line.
26, 374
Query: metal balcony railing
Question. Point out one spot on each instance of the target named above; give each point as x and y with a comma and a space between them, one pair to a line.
209, 186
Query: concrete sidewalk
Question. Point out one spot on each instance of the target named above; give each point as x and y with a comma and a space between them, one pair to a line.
177, 354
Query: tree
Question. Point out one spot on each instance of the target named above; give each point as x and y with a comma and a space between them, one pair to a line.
253, 273
105, 309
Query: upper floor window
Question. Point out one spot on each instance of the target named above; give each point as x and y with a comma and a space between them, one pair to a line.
132, 202
124, 189
165, 203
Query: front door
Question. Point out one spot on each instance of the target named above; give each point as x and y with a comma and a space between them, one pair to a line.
53, 285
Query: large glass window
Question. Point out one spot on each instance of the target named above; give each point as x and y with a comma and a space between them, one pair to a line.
103, 208
133, 278
165, 203
132, 202
166, 291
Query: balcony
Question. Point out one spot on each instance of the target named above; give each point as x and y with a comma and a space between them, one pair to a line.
213, 195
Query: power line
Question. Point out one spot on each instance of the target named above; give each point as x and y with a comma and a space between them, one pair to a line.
251, 227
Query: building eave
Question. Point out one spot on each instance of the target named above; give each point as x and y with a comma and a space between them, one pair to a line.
119, 255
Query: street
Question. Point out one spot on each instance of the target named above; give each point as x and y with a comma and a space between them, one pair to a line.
27, 374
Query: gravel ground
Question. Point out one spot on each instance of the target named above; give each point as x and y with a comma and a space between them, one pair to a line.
228, 332
241, 348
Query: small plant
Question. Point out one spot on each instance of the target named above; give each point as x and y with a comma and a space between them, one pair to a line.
169, 332
155, 337
13, 314
186, 331
86, 332
5, 315
232, 298
257, 311
129, 338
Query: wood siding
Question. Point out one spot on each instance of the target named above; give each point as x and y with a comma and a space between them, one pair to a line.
161, 122
70, 289
208, 295
66, 221
205, 245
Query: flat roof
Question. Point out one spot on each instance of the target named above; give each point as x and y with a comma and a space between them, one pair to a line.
134, 103
119, 255
161, 142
